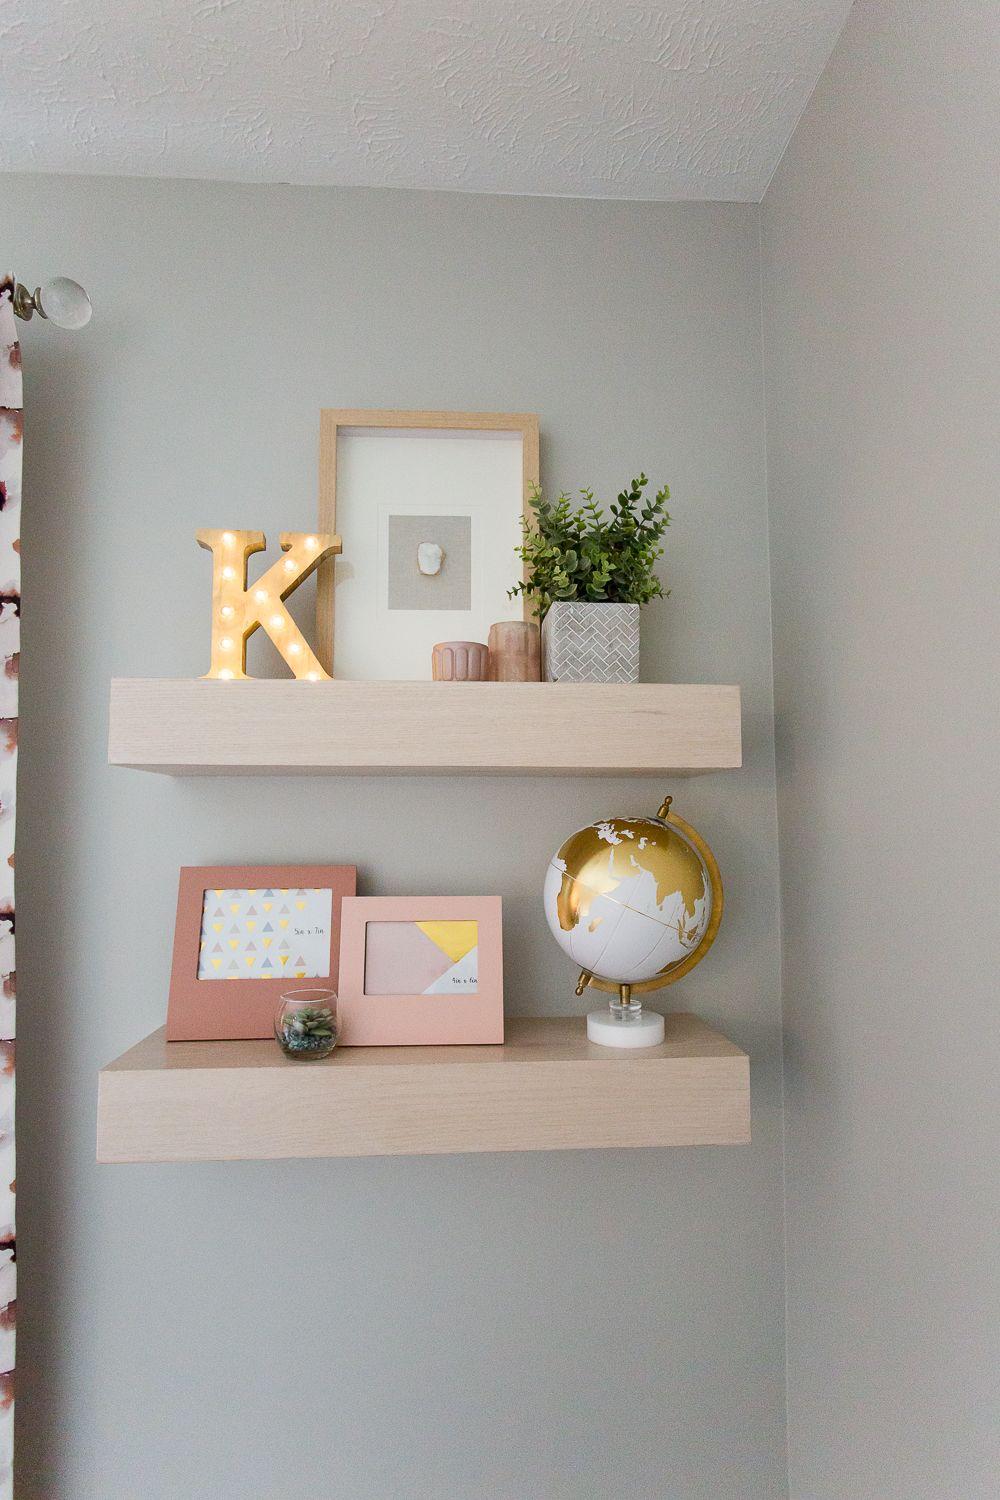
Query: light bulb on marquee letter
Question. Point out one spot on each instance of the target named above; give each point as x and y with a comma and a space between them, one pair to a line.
243, 610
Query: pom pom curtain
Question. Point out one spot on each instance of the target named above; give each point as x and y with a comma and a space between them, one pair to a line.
10, 625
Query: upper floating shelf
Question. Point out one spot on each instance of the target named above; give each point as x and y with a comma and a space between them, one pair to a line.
185, 727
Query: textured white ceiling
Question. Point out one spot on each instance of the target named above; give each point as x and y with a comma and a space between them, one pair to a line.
684, 99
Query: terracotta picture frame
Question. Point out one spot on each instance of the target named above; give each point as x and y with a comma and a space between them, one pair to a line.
425, 473
235, 919
454, 944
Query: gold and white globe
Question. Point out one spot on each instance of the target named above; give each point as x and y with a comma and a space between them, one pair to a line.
633, 903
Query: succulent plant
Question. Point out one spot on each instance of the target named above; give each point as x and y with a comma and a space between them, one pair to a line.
312, 1030
311, 1021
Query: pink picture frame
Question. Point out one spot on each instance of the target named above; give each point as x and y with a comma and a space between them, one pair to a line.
220, 1008
408, 1019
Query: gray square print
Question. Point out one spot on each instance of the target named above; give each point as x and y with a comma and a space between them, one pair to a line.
451, 587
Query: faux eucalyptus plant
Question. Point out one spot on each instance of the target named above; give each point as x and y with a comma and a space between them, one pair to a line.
579, 553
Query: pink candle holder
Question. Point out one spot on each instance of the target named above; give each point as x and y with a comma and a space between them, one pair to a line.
460, 661
515, 651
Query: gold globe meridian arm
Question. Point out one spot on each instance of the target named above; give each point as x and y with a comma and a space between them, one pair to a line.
678, 970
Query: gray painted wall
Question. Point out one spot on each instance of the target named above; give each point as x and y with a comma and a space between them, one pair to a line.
881, 318
533, 1328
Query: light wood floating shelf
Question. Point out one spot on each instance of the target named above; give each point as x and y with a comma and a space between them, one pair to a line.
194, 727
547, 1088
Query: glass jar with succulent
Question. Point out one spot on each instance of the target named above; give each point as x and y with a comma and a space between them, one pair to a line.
587, 573
305, 1023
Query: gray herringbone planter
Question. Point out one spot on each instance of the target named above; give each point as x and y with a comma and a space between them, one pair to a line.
591, 643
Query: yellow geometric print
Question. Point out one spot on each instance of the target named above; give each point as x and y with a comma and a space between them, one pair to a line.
456, 939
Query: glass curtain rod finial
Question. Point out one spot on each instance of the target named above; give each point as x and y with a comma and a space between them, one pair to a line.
60, 301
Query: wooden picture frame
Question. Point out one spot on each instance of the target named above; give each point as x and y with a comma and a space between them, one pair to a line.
380, 1015
206, 1003
334, 422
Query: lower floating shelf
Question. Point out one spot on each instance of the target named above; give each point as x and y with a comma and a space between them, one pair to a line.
547, 1088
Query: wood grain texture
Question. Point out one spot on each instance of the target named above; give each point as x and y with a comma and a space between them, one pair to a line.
190, 726
546, 1088
333, 419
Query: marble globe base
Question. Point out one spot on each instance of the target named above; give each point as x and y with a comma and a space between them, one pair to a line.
609, 1030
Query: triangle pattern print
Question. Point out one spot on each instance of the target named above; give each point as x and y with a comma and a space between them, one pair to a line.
310, 925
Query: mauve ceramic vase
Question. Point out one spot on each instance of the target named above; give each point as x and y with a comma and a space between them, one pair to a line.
460, 661
515, 652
